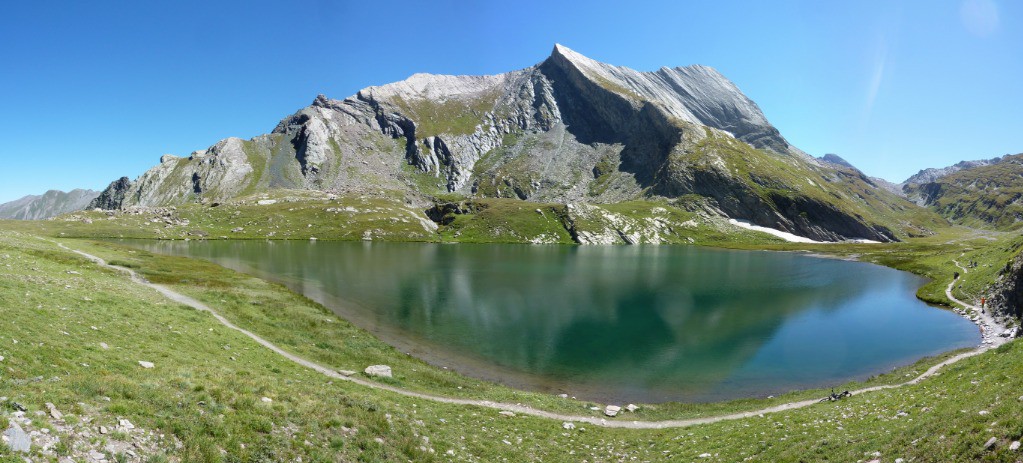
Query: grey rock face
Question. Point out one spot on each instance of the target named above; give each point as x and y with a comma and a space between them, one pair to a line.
50, 204
696, 94
1007, 292
113, 196
17, 439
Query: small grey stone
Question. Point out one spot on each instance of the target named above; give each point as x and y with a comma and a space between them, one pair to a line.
17, 439
612, 410
378, 370
146, 364
990, 443
507, 413
346, 372
632, 408
54, 412
1014, 445
568, 425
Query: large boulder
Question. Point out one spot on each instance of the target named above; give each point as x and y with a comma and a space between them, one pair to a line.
378, 370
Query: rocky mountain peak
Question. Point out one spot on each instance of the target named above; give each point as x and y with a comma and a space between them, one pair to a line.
835, 159
695, 94
321, 100
567, 130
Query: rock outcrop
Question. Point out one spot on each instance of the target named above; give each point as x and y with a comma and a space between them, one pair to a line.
112, 196
49, 204
1007, 292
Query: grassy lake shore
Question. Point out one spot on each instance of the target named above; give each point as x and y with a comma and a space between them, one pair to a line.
205, 394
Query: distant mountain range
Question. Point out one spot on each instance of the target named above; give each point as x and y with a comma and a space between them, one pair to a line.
49, 204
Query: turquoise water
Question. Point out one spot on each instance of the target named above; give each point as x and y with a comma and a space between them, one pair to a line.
616, 323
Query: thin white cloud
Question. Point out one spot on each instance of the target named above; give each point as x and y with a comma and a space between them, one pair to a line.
980, 17
880, 60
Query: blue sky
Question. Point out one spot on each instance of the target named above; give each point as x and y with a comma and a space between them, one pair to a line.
91, 91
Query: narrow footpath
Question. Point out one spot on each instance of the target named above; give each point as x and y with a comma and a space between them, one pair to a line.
517, 408
990, 329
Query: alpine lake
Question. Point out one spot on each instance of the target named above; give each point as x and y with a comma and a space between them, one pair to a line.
641, 324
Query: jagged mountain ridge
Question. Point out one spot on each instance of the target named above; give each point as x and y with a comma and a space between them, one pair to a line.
933, 174
49, 204
569, 129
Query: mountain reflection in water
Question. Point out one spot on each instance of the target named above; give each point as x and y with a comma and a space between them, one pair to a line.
625, 323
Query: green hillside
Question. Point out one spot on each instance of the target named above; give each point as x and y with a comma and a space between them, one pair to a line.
988, 196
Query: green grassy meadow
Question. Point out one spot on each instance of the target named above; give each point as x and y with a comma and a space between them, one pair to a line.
205, 395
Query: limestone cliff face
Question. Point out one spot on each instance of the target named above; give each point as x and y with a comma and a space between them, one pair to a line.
568, 130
